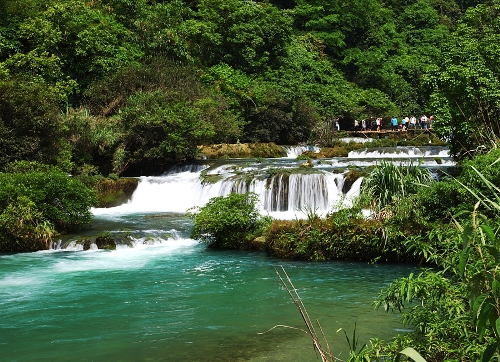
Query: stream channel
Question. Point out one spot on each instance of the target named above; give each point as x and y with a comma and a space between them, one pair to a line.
168, 298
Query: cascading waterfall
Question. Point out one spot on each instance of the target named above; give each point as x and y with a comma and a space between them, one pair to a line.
296, 151
284, 191
401, 152
281, 196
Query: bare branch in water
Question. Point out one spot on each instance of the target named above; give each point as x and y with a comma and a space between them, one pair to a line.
326, 356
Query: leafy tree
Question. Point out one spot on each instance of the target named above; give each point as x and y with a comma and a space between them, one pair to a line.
30, 123
228, 222
249, 36
93, 140
464, 87
162, 127
69, 40
108, 94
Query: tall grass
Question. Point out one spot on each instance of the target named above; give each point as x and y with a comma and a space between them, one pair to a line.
388, 183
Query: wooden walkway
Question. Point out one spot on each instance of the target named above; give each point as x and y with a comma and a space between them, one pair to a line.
385, 132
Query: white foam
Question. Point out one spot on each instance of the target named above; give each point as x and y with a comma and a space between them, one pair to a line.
296, 151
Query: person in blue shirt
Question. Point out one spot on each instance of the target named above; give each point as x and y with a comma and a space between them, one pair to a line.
394, 123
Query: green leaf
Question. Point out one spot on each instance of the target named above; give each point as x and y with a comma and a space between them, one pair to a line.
467, 233
494, 252
485, 313
489, 232
489, 351
464, 257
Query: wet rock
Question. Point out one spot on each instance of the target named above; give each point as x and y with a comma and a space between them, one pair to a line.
105, 242
86, 244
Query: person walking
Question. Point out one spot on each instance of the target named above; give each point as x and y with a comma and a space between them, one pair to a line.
394, 123
363, 125
423, 121
404, 121
413, 122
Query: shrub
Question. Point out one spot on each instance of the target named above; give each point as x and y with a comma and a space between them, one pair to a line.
489, 165
340, 236
228, 222
36, 201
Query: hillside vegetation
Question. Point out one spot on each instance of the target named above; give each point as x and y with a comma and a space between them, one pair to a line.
128, 87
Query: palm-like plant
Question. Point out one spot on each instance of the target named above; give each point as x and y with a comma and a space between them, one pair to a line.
388, 183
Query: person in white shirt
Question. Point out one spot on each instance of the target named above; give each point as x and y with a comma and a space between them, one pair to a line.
413, 122
423, 121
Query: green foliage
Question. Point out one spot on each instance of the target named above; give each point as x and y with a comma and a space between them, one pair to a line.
228, 222
247, 35
388, 183
30, 123
489, 166
94, 140
341, 235
464, 83
67, 43
23, 227
276, 72
107, 95
161, 127
455, 308
443, 199
36, 202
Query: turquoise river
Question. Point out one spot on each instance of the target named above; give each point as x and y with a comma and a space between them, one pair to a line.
179, 301
166, 297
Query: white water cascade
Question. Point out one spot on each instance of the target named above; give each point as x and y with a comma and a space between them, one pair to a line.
401, 152
296, 151
282, 196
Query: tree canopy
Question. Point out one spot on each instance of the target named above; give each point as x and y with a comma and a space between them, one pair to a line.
236, 70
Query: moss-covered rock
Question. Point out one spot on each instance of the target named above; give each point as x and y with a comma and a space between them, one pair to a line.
115, 192
241, 150
105, 241
86, 244
350, 177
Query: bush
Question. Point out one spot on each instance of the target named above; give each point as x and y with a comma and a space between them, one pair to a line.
340, 236
36, 202
443, 199
30, 122
489, 165
228, 222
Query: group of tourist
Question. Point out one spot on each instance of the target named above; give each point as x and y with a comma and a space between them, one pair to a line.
404, 124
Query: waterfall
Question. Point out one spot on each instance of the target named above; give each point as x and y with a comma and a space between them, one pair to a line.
282, 196
296, 151
401, 152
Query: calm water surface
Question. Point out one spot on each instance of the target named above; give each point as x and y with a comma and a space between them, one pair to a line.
176, 300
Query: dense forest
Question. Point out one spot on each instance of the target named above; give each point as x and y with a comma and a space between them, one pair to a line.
125, 87
109, 88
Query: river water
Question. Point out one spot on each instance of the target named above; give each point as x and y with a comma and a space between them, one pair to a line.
168, 298
176, 300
